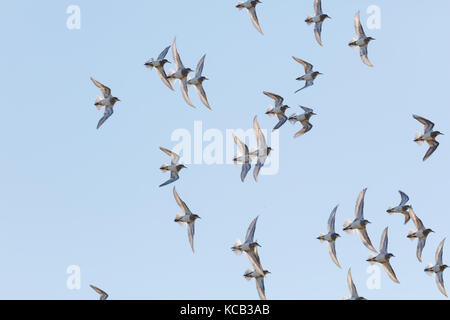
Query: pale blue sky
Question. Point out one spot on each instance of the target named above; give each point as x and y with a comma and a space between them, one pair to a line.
72, 195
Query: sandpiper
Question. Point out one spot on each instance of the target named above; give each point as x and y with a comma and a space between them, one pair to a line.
250, 5
360, 223
383, 257
429, 136
197, 82
262, 152
362, 41
438, 269
318, 19
174, 166
303, 119
331, 237
402, 208
107, 102
278, 109
249, 247
421, 234
259, 278
181, 73
158, 64
309, 75
187, 217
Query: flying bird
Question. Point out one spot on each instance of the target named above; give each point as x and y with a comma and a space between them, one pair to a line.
331, 237
107, 102
360, 223
351, 286
262, 152
421, 234
250, 247
103, 294
187, 217
278, 110
181, 73
309, 75
383, 257
243, 158
362, 41
402, 208
259, 278
438, 269
250, 5
318, 19
429, 136
174, 166
158, 64
197, 82
303, 119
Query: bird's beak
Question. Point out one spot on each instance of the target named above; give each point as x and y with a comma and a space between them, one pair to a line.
118, 99
315, 114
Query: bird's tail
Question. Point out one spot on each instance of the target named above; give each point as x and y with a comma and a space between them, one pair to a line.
427, 269
353, 43
293, 118
320, 237
240, 6
149, 64
371, 261
169, 76
389, 210
163, 167
347, 223
417, 139
248, 271
269, 111
97, 104
410, 233
177, 219
237, 244
308, 20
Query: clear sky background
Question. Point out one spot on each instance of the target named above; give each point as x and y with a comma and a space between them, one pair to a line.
72, 195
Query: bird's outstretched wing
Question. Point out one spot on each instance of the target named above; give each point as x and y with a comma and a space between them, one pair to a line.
428, 125
180, 202
108, 112
433, 146
390, 272
174, 158
308, 67
173, 177
105, 90
366, 240
163, 53
254, 19
358, 27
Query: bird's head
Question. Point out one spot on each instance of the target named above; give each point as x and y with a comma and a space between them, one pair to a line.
164, 61
444, 266
266, 272
427, 231
181, 166
195, 216
365, 222
115, 99
437, 133
389, 255
325, 16
370, 39
202, 78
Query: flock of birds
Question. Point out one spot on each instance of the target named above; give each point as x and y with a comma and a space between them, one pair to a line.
245, 158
